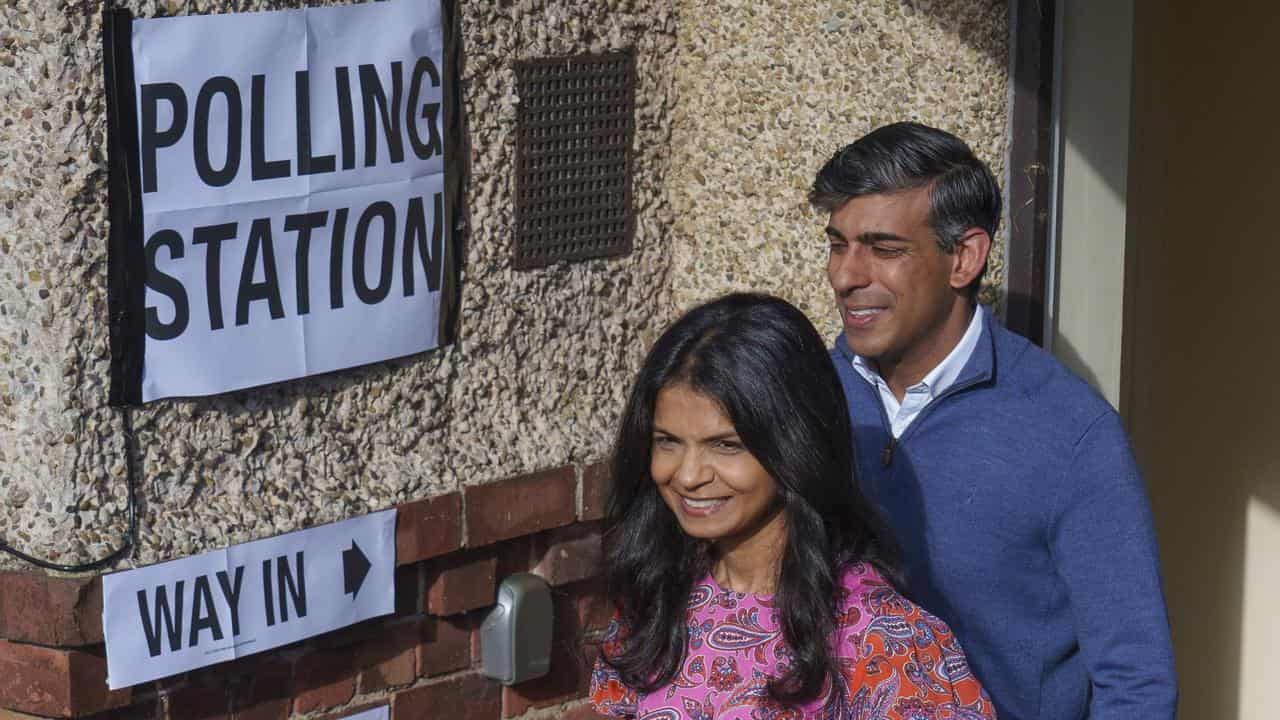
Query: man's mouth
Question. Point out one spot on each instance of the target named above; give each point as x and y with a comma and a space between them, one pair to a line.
862, 317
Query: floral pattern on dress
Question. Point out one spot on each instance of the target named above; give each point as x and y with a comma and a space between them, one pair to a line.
896, 662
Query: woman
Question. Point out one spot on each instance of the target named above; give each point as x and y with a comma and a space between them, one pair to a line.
752, 579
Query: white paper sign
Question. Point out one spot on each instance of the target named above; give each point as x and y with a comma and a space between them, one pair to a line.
291, 167
175, 616
382, 712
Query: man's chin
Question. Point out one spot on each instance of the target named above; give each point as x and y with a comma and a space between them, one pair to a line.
862, 348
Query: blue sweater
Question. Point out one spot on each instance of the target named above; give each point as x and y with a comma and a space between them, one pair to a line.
1025, 526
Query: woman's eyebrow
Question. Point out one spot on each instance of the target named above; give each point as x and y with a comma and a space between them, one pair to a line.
725, 435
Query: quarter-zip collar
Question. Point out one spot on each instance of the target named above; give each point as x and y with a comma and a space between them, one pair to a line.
979, 369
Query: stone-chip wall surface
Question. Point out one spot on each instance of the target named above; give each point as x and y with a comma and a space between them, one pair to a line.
768, 91
535, 380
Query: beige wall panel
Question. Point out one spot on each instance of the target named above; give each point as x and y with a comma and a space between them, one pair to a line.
1088, 325
535, 380
1203, 349
768, 91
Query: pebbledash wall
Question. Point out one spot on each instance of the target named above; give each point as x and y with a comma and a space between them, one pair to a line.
769, 90
491, 448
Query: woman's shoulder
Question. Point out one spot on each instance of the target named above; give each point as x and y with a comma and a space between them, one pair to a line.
870, 606
865, 588
873, 600
889, 647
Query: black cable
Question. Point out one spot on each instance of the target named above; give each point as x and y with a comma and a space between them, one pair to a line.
131, 534
130, 451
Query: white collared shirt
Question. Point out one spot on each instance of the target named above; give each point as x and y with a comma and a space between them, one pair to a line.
918, 396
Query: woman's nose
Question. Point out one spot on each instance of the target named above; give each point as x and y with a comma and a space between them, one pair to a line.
693, 471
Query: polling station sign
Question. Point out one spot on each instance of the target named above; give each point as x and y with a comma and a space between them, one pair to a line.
184, 614
283, 193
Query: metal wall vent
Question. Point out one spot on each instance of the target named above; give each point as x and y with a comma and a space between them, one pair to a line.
574, 127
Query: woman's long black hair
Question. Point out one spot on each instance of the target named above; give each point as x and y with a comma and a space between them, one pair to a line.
770, 371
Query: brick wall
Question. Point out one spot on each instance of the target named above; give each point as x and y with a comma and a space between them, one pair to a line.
422, 661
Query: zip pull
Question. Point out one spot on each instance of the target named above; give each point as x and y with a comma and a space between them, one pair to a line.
886, 455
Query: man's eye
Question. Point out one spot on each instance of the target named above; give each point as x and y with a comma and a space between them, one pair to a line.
887, 252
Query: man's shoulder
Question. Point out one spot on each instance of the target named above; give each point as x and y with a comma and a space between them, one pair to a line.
1025, 372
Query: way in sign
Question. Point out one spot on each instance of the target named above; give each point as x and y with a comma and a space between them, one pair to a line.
183, 614
162, 616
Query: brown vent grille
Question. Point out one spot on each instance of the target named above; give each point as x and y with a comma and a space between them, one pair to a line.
574, 127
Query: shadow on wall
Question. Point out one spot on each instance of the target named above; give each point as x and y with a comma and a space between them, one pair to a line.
1067, 353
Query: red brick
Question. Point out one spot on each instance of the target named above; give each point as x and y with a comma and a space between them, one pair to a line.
570, 678
408, 589
166, 685
63, 612
445, 645
352, 711
149, 709
428, 528
322, 680
51, 681
460, 583
269, 694
465, 697
270, 676
391, 660
361, 632
595, 491
520, 506
200, 703
594, 609
514, 556
570, 555
270, 709
477, 647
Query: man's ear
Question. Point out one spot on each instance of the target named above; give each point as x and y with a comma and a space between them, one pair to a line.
969, 257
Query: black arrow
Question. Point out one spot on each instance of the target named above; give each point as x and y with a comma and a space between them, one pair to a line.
355, 567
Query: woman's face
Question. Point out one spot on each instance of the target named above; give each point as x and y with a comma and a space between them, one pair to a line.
716, 488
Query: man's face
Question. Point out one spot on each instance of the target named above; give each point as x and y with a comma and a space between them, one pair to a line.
893, 284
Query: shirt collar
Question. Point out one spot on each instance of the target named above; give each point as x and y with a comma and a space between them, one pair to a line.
945, 374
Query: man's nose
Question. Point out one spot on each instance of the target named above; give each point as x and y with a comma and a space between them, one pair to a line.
849, 270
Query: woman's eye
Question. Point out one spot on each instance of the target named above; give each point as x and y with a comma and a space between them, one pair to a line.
728, 446
663, 441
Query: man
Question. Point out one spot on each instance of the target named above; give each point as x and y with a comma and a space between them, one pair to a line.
1022, 516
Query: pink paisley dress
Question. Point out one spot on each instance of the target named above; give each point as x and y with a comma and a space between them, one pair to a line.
896, 661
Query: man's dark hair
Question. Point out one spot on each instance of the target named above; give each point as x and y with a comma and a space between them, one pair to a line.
761, 359
904, 156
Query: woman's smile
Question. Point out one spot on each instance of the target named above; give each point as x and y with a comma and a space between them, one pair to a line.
702, 507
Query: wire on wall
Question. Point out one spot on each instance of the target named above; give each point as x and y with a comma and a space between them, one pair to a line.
131, 508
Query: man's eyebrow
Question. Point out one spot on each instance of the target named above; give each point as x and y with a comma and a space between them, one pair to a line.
871, 238
867, 238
